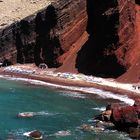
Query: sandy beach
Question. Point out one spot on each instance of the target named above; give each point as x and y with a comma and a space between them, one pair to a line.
30, 71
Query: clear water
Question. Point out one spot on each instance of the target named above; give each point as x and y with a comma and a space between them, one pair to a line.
60, 110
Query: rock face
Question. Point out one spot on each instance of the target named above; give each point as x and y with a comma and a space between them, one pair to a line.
126, 32
49, 37
111, 26
124, 117
44, 36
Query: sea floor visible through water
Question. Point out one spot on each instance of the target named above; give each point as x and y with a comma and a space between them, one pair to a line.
59, 110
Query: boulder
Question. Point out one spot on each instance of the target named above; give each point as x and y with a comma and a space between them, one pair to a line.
36, 135
124, 117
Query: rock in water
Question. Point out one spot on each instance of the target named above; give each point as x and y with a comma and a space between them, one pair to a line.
124, 117
36, 135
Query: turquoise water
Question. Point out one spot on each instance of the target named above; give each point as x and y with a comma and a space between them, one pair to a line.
59, 111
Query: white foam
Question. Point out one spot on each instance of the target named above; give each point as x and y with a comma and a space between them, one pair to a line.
99, 108
73, 94
124, 136
110, 95
63, 133
99, 92
43, 113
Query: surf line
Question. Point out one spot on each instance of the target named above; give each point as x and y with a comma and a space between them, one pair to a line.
99, 92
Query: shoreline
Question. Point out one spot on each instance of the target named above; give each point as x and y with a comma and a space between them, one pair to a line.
69, 79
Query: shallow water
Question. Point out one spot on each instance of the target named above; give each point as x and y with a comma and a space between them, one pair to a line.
58, 111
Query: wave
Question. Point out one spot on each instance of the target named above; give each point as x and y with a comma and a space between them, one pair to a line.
99, 108
62, 133
43, 113
73, 94
110, 95
33, 114
99, 92
124, 137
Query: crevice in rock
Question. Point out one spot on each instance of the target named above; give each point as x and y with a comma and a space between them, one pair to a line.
97, 56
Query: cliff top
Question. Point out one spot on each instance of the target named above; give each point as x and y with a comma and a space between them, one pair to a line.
14, 10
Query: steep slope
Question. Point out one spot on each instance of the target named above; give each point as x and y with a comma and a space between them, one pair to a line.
56, 35
133, 73
44, 35
69, 58
111, 26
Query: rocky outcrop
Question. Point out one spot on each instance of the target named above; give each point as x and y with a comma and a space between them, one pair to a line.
125, 118
44, 36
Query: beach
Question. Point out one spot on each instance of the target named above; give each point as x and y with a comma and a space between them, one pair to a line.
30, 71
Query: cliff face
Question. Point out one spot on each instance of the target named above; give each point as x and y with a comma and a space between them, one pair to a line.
44, 36
111, 26
133, 55
56, 35
126, 32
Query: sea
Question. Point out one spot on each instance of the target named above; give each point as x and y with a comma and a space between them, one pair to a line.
60, 111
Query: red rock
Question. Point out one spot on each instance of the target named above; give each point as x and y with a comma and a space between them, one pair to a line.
126, 114
124, 117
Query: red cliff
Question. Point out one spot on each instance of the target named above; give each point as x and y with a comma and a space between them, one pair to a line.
57, 36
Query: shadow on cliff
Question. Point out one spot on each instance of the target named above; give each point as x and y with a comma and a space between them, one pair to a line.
97, 55
23, 44
47, 47
137, 2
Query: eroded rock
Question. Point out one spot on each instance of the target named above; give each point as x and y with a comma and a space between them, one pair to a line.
124, 117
